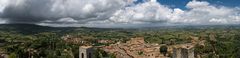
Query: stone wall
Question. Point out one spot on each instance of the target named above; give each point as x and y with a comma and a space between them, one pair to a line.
183, 53
86, 52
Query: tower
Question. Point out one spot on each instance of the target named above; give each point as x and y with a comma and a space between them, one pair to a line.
183, 52
86, 52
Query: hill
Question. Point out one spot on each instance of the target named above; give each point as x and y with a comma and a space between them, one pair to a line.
34, 29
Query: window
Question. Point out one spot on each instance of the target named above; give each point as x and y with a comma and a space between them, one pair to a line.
82, 55
89, 55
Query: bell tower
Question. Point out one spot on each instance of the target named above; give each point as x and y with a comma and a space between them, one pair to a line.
86, 52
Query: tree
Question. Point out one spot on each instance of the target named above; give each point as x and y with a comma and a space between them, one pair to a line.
163, 49
213, 42
12, 55
199, 50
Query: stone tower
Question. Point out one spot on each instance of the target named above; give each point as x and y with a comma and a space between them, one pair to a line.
86, 52
183, 52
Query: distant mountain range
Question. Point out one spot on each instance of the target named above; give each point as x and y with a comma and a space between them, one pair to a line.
24, 28
33, 29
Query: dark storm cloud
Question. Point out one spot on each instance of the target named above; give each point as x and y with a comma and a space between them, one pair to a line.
27, 11
37, 11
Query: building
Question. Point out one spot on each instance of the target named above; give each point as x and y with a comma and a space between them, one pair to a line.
105, 41
134, 48
86, 52
3, 54
183, 51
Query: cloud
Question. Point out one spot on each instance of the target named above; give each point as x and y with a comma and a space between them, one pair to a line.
198, 13
202, 12
37, 11
3, 3
148, 12
114, 13
2, 21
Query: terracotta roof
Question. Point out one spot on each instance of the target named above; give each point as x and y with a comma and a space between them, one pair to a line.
86, 46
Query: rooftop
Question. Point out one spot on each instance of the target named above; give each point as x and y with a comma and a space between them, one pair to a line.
86, 46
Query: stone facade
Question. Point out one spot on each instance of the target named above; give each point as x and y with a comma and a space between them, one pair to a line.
185, 51
3, 55
86, 52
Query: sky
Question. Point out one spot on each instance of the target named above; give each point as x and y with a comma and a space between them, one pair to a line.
120, 13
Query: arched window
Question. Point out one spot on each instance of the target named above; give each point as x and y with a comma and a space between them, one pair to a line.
82, 55
89, 55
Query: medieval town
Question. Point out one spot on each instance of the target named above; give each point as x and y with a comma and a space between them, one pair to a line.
137, 48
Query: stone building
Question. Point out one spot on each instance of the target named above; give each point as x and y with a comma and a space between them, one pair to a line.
184, 51
4, 55
86, 52
150, 53
134, 48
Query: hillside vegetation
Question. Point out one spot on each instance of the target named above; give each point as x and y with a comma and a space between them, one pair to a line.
25, 40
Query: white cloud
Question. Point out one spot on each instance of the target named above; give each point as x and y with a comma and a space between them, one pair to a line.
197, 4
3, 4
68, 20
198, 13
203, 13
147, 12
88, 8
